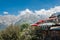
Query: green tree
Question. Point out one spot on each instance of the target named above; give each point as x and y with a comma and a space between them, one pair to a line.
24, 26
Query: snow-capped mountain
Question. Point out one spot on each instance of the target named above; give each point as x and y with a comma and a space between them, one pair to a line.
30, 18
6, 20
27, 17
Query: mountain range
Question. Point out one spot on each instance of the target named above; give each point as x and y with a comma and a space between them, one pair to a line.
25, 18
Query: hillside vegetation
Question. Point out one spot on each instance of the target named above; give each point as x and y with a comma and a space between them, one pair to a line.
23, 32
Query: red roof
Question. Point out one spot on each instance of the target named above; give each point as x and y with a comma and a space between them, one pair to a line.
40, 21
34, 24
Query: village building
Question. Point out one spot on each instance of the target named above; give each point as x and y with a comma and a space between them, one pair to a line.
50, 28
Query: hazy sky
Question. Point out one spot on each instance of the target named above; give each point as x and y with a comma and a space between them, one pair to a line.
13, 6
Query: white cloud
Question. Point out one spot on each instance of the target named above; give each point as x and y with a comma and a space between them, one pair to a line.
55, 9
48, 12
40, 12
25, 12
5, 13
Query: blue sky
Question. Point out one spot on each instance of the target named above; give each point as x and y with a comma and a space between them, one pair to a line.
13, 6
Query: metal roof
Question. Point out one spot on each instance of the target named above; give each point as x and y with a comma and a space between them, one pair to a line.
47, 24
55, 28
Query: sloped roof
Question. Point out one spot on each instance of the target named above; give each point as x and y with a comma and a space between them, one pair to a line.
55, 28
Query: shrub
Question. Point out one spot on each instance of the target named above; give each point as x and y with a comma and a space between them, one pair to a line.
22, 32
10, 33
